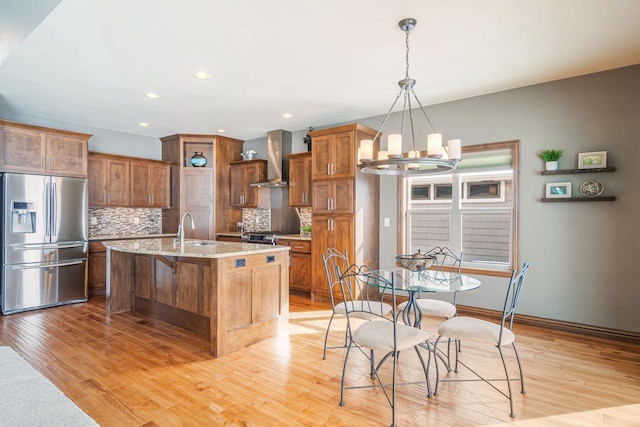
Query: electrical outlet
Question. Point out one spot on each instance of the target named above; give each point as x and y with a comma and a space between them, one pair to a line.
387, 222
136, 220
94, 220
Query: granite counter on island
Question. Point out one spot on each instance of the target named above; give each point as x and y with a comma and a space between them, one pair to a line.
235, 293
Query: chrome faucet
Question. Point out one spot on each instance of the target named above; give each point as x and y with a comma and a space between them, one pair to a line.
180, 236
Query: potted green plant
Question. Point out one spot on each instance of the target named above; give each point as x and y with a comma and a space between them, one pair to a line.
551, 158
305, 231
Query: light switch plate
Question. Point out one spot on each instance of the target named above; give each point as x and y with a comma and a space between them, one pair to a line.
387, 222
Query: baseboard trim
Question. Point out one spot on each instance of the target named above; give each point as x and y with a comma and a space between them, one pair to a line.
577, 328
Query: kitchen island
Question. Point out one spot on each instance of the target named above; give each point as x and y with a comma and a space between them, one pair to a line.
235, 293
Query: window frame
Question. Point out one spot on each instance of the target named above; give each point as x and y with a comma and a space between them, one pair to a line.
403, 207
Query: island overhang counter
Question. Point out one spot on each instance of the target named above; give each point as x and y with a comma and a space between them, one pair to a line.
235, 293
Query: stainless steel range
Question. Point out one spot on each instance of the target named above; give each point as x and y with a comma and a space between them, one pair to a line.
262, 237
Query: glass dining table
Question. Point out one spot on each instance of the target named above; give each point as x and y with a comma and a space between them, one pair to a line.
423, 281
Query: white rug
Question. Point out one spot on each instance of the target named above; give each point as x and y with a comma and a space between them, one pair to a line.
29, 399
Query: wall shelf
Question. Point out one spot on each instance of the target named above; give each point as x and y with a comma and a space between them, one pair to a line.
578, 199
575, 171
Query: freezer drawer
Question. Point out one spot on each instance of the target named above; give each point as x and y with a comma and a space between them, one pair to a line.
38, 285
44, 252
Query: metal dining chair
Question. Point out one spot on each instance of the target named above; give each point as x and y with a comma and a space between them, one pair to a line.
336, 264
445, 262
498, 335
383, 334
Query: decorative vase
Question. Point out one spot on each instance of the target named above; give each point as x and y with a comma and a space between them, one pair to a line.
551, 166
198, 160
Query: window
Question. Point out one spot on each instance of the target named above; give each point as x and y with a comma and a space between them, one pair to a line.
472, 210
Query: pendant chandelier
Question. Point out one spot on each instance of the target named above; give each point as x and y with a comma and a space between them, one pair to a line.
437, 158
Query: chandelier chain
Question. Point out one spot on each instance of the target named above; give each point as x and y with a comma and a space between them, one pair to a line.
406, 75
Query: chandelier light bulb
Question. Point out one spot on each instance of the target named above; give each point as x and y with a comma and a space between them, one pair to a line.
434, 145
394, 145
366, 150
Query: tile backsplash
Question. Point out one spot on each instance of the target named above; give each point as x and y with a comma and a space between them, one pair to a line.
260, 219
122, 221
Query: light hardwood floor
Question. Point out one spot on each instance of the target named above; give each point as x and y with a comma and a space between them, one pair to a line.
128, 370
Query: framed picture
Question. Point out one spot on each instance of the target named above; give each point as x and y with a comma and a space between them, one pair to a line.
592, 160
558, 190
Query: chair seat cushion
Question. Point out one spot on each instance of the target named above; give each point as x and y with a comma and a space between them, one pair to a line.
378, 335
462, 327
433, 307
363, 309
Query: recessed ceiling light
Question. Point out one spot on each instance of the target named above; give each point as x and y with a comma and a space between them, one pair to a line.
152, 95
221, 130
202, 75
143, 124
287, 115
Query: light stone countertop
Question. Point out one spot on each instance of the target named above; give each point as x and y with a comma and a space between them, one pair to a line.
216, 249
293, 237
95, 237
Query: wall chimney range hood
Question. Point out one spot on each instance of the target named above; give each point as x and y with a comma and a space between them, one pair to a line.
279, 144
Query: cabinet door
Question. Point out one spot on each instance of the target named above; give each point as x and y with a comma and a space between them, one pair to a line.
322, 197
118, 183
300, 272
23, 150
66, 155
237, 186
97, 181
321, 241
198, 195
343, 155
298, 185
251, 175
140, 184
329, 231
343, 199
97, 269
160, 185
322, 154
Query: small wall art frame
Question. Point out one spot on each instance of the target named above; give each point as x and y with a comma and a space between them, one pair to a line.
558, 190
592, 160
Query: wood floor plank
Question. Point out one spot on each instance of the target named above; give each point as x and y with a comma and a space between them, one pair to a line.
128, 370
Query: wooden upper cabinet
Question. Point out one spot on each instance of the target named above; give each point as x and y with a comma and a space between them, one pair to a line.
334, 155
300, 180
150, 184
66, 155
243, 174
128, 182
34, 149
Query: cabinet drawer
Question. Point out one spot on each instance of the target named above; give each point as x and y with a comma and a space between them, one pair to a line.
302, 246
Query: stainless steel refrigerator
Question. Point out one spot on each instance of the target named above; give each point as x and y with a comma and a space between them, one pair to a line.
44, 241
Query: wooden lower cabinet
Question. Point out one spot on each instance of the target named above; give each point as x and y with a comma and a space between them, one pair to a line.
329, 231
300, 264
97, 269
236, 301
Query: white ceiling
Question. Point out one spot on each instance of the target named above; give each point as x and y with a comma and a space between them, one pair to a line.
329, 61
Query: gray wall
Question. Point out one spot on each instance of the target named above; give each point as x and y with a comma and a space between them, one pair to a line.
583, 254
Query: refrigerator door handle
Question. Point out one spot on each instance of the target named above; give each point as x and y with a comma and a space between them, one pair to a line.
47, 208
54, 210
46, 265
27, 247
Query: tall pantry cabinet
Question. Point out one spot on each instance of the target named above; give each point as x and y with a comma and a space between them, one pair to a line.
202, 191
345, 201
